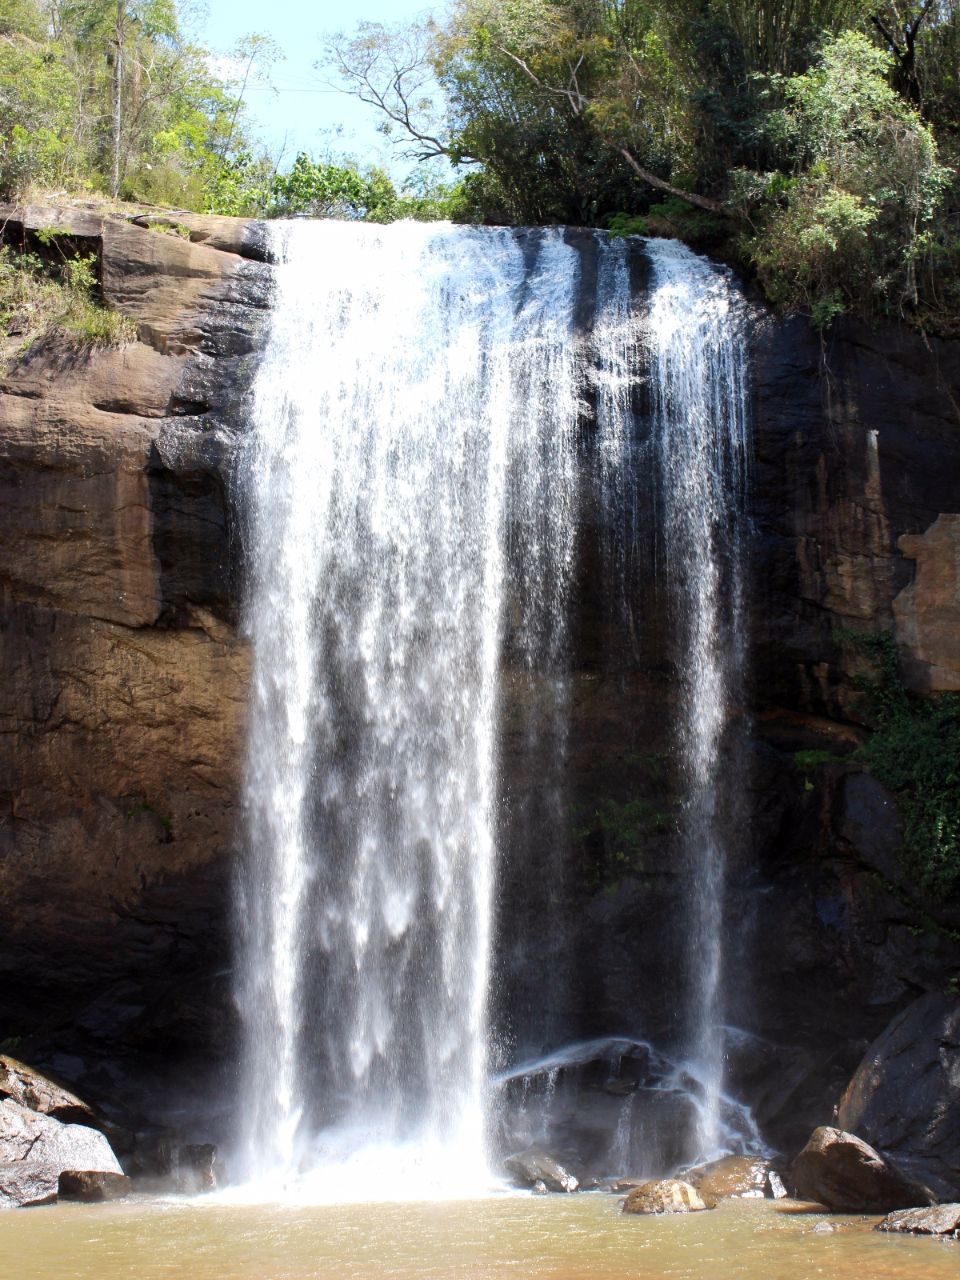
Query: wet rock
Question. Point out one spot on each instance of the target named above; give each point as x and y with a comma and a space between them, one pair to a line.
91, 1187
932, 1220
775, 1186
28, 1182
671, 1195
195, 1167
530, 1167
540, 1188
729, 1177
824, 1229
904, 1098
842, 1172
27, 1135
32, 1090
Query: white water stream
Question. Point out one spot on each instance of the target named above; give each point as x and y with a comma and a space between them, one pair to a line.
411, 479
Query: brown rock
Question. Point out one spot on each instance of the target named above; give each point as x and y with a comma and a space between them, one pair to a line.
35, 1092
927, 611
729, 1177
932, 1220
28, 1135
668, 1196
841, 1171
93, 1187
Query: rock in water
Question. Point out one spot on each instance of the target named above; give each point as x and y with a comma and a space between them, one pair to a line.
28, 1182
728, 1177
92, 1187
669, 1196
904, 1097
44, 1144
530, 1167
932, 1220
842, 1172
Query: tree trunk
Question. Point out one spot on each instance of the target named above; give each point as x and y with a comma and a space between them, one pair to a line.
691, 197
117, 102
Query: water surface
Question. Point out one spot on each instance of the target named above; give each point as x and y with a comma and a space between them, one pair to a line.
553, 1238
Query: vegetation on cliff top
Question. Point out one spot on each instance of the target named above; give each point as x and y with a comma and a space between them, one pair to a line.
813, 142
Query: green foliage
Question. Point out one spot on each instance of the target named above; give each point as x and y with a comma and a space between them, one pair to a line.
674, 218
915, 751
39, 296
850, 229
809, 760
816, 139
110, 96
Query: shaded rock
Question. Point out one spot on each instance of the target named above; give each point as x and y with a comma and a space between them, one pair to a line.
195, 1167
34, 1091
728, 1177
671, 1195
932, 1220
26, 1135
904, 1098
91, 1186
841, 1171
530, 1167
927, 610
28, 1182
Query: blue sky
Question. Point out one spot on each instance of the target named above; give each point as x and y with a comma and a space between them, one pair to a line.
302, 111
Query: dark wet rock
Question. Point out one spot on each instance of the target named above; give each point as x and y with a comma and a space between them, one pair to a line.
671, 1195
931, 1220
527, 1168
904, 1098
602, 1108
841, 1171
28, 1182
729, 1177
92, 1187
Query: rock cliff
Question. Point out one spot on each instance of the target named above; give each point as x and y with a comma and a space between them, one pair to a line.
123, 694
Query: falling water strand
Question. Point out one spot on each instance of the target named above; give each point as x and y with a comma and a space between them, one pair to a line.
412, 439
699, 388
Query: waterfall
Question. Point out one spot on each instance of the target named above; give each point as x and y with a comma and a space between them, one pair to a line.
412, 477
699, 385
413, 426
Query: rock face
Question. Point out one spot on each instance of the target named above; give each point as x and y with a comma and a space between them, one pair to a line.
841, 1171
124, 678
668, 1196
35, 1092
936, 1220
904, 1098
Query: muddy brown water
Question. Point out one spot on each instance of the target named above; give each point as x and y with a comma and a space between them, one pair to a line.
582, 1237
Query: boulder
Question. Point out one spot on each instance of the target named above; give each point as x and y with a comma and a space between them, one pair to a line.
28, 1136
34, 1091
671, 1195
92, 1186
730, 1176
527, 1168
28, 1182
841, 1171
932, 1220
904, 1098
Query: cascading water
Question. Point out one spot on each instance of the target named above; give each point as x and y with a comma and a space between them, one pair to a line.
699, 385
417, 399
412, 478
